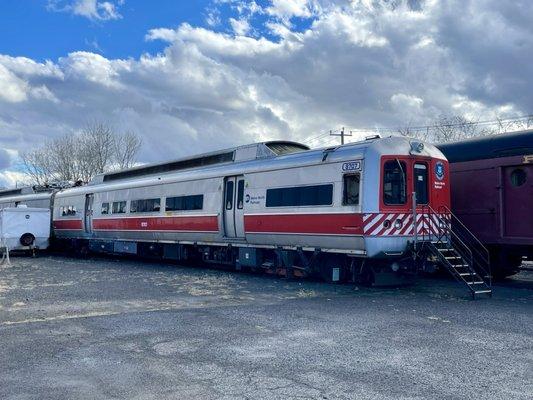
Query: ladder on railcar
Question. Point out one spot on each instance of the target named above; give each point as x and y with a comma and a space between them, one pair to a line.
456, 248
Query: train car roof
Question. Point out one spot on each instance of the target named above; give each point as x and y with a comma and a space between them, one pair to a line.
28, 196
491, 146
355, 150
252, 151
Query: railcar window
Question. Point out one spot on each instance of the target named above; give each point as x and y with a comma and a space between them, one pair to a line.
71, 210
240, 194
105, 208
394, 187
518, 177
316, 195
229, 195
184, 203
119, 207
420, 177
146, 205
350, 194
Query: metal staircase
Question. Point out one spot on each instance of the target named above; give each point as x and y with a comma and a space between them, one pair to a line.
457, 249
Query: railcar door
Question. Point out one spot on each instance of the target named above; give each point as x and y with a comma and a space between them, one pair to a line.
234, 207
88, 214
518, 192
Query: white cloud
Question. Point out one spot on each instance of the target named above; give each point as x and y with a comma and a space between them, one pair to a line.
93, 67
92, 9
10, 179
359, 63
287, 9
240, 26
12, 88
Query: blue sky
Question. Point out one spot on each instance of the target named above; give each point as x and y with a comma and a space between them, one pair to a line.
195, 76
35, 30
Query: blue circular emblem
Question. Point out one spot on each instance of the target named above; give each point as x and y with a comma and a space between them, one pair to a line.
439, 170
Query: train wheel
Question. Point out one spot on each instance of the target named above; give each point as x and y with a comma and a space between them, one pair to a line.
81, 250
366, 276
504, 264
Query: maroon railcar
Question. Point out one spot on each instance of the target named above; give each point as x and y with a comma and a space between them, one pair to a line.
492, 193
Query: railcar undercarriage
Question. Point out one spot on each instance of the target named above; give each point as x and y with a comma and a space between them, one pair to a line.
287, 263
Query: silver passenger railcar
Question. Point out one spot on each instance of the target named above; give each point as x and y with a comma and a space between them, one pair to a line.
343, 212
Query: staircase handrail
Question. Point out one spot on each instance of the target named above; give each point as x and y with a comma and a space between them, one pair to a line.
464, 227
484, 254
480, 251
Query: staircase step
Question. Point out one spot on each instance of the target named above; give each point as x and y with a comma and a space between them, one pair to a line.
452, 257
467, 274
482, 291
475, 283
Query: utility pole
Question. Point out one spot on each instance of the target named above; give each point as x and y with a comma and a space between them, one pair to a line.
342, 134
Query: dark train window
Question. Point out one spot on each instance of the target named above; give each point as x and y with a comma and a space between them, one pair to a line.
68, 210
350, 193
518, 177
229, 195
119, 207
105, 208
316, 195
184, 203
420, 176
142, 206
240, 194
394, 187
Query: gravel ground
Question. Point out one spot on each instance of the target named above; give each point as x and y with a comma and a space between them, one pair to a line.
102, 328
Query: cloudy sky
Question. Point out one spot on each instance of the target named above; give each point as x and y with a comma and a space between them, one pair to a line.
192, 76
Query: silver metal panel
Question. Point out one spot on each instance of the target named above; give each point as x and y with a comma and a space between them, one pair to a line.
315, 241
304, 168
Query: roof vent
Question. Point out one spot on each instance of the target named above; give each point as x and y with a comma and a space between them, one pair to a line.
372, 137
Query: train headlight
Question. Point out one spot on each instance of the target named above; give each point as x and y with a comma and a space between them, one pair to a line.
387, 223
398, 224
395, 266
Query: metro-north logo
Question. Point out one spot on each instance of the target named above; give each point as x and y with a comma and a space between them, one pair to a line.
439, 170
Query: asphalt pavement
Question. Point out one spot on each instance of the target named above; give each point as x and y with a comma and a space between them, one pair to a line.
121, 329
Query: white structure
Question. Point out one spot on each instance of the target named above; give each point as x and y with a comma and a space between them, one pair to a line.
23, 228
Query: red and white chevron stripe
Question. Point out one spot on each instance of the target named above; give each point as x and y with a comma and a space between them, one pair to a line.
401, 224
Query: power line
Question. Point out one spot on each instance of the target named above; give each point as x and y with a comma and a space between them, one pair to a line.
450, 125
321, 138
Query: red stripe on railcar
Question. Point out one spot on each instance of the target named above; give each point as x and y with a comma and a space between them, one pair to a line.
320, 224
68, 224
185, 223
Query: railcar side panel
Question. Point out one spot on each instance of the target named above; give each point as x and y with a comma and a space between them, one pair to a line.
327, 226
68, 216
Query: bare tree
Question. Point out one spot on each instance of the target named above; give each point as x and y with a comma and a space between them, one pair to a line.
421, 133
37, 166
79, 157
514, 124
447, 129
126, 146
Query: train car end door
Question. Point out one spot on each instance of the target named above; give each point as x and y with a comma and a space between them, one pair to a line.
234, 207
